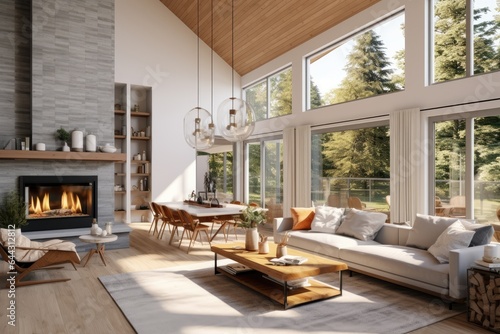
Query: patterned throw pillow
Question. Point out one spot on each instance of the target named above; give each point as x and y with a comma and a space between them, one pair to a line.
455, 236
327, 219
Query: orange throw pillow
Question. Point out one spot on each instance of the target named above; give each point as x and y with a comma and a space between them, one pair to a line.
302, 218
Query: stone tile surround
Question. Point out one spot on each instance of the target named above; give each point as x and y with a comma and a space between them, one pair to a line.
57, 69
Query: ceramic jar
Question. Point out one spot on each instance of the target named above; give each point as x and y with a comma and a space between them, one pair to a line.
251, 239
77, 141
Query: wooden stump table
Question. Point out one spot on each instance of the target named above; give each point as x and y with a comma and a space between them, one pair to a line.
483, 298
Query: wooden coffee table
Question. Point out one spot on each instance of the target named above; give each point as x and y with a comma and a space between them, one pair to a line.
263, 269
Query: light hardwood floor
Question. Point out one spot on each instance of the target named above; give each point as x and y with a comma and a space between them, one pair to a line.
82, 305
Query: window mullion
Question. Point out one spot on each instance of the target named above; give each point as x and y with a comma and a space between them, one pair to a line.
469, 38
469, 167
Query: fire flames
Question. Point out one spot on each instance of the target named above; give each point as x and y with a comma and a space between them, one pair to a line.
70, 205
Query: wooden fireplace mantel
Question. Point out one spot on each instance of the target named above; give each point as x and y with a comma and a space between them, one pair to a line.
59, 155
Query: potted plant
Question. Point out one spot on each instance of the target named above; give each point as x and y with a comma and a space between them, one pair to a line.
252, 216
13, 211
63, 136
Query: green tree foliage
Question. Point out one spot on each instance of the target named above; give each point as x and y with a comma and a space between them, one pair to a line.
450, 50
281, 94
216, 170
368, 70
315, 97
256, 96
357, 153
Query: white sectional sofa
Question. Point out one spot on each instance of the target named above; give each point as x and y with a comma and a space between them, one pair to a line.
388, 257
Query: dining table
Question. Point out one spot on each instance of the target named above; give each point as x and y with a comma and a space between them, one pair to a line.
222, 213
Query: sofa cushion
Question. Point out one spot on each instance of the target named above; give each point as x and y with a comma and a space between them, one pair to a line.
483, 234
327, 244
426, 229
302, 218
327, 219
402, 261
455, 236
362, 225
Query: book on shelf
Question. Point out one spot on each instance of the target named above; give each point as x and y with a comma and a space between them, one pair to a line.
289, 260
294, 284
236, 268
488, 264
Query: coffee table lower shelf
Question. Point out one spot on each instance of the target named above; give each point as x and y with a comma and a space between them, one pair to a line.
282, 294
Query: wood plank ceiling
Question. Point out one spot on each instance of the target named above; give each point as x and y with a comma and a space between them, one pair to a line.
263, 29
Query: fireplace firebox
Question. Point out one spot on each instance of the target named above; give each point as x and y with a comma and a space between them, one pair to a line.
59, 202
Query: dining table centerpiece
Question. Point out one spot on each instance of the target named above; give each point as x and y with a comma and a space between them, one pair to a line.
250, 218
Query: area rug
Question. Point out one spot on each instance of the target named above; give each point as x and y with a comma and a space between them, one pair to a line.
191, 299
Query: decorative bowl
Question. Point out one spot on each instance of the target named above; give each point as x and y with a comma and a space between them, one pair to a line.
108, 149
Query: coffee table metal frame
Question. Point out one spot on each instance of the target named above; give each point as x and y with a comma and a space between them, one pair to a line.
316, 265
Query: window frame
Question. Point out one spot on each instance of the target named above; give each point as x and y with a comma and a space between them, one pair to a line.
468, 117
469, 44
339, 42
346, 126
262, 141
267, 80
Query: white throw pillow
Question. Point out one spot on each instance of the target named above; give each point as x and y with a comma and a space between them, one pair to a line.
327, 219
455, 236
362, 225
426, 229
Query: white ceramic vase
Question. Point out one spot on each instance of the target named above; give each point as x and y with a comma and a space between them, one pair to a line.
251, 239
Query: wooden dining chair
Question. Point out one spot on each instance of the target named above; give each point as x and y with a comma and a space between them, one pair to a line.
193, 226
161, 218
231, 223
173, 219
355, 202
156, 217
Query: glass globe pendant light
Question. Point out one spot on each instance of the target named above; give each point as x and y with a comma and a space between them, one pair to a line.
235, 117
199, 129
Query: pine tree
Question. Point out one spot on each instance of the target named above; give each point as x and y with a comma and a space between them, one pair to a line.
281, 94
450, 41
368, 71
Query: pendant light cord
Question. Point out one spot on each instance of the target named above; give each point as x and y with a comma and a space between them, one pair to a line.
212, 60
232, 51
198, 60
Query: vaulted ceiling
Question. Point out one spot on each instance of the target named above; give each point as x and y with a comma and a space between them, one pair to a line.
263, 29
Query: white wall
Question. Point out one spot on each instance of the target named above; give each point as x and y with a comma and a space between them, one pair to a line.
416, 94
154, 48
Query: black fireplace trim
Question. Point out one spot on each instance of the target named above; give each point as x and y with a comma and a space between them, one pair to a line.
54, 224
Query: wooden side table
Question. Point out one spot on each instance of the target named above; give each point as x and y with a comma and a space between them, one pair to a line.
99, 242
483, 298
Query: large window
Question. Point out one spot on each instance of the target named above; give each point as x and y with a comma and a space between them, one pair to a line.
272, 96
218, 168
466, 166
350, 168
265, 175
457, 53
366, 64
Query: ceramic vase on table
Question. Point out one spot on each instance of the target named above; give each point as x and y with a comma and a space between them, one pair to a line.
251, 239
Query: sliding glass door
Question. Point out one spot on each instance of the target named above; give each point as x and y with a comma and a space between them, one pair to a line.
264, 171
466, 166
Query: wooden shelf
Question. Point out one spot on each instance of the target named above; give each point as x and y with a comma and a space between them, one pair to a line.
120, 136
120, 174
139, 114
140, 138
120, 112
59, 155
139, 174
